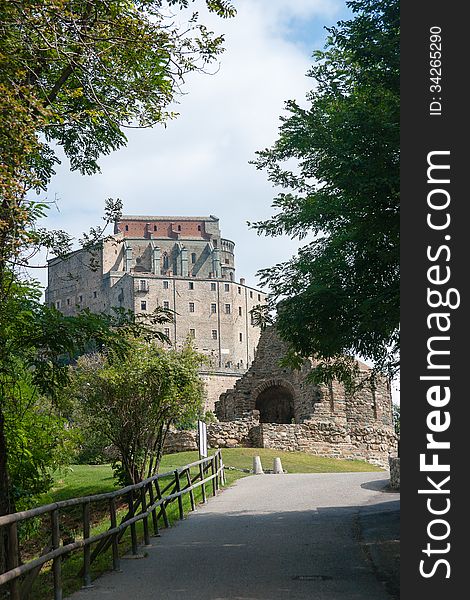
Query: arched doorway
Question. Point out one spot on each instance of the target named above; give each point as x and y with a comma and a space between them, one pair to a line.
275, 405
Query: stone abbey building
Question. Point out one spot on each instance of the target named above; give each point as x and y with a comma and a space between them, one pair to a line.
179, 263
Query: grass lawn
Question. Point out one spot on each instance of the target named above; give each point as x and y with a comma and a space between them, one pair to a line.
84, 480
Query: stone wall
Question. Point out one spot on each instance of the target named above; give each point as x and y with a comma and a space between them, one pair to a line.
322, 439
216, 383
330, 440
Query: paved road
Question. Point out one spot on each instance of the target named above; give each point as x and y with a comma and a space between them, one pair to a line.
269, 537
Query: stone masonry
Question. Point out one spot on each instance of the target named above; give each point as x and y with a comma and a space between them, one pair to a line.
282, 409
182, 264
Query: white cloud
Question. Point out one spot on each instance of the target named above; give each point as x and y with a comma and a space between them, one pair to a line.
198, 164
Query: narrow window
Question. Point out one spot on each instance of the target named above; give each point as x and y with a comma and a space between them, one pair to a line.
68, 301
192, 333
193, 257
239, 311
214, 334
213, 287
80, 298
143, 305
127, 227
228, 309
227, 287
199, 228
95, 294
57, 304
191, 285
155, 228
259, 297
251, 294
239, 290
166, 285
241, 337
167, 332
179, 227
191, 307
213, 308
166, 304
166, 262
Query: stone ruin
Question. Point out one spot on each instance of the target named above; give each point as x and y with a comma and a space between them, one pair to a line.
273, 406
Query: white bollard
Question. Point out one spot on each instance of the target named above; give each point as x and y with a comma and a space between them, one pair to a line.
277, 466
257, 467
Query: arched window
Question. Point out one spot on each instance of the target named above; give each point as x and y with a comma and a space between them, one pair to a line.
193, 257
166, 262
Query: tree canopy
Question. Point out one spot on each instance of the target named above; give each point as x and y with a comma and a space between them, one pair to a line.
134, 401
338, 162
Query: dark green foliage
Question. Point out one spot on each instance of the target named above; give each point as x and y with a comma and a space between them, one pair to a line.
340, 294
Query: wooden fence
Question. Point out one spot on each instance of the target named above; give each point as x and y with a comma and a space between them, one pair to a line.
145, 501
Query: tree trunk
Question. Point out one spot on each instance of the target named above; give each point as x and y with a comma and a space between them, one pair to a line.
5, 503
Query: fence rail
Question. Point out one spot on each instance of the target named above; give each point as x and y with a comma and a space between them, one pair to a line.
145, 500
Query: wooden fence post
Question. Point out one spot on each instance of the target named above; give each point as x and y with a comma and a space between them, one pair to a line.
178, 489
214, 484
57, 562
115, 536
13, 559
191, 492
87, 547
143, 501
133, 529
154, 511
203, 485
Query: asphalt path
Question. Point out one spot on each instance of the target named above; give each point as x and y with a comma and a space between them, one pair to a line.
270, 537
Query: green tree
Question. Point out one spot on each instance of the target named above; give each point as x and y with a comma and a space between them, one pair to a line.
340, 294
134, 400
74, 74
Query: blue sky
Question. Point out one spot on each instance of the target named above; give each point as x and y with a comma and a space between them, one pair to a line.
198, 164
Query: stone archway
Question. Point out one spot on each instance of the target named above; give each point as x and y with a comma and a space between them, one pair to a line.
275, 403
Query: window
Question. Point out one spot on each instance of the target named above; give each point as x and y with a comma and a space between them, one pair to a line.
239, 290
143, 285
179, 227
166, 262
80, 298
191, 307
95, 294
167, 332
259, 297
127, 227
213, 287
228, 309
213, 308
166, 304
191, 285
214, 334
166, 285
68, 301
227, 287
57, 304
192, 333
143, 305
251, 294
239, 311
227, 262
155, 228
199, 228
193, 257
241, 337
